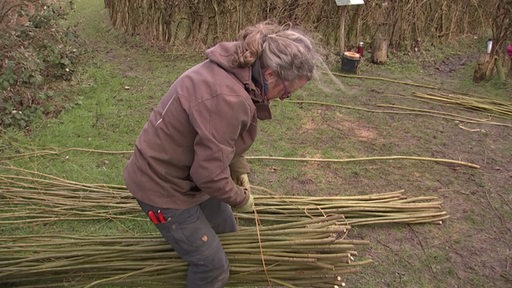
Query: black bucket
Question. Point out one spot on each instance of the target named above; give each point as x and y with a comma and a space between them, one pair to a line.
349, 62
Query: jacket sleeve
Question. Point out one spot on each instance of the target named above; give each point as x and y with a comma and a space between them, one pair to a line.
218, 121
239, 166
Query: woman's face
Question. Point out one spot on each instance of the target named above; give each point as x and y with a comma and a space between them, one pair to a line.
278, 88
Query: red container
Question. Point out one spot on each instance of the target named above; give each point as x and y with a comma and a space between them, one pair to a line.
360, 49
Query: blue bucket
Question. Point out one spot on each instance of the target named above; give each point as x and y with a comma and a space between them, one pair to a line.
350, 61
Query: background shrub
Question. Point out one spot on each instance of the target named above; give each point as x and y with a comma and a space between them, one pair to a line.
36, 51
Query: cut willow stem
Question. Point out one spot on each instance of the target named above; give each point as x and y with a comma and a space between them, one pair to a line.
75, 184
440, 160
386, 80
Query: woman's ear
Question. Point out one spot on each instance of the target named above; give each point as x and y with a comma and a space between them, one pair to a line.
269, 74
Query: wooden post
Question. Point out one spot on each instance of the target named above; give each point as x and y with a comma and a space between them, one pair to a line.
343, 15
484, 67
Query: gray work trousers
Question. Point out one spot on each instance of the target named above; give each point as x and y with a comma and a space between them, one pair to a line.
192, 233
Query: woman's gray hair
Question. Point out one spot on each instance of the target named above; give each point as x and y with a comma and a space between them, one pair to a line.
289, 52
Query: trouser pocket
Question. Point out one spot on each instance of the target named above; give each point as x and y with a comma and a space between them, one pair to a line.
194, 240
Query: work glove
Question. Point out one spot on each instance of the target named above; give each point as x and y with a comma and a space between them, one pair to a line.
248, 206
239, 170
243, 180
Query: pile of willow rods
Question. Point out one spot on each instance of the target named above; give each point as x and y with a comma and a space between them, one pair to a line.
290, 241
312, 253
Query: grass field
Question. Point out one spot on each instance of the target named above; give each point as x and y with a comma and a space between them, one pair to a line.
391, 138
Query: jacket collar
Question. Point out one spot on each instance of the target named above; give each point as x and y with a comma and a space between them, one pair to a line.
250, 77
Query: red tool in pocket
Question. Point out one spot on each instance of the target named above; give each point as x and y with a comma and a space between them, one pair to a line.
158, 218
161, 216
153, 218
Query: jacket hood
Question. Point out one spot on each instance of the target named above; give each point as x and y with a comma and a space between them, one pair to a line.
222, 55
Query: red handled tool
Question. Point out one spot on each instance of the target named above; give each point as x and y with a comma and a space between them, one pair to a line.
153, 218
158, 218
161, 216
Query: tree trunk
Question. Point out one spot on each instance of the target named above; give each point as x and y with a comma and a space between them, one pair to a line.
379, 50
499, 70
484, 67
343, 15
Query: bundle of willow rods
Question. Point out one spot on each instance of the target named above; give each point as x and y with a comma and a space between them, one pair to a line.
310, 253
30, 197
391, 207
490, 106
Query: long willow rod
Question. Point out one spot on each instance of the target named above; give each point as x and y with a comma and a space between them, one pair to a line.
54, 179
440, 160
385, 79
385, 158
56, 151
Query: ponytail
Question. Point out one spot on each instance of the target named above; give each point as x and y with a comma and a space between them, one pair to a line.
287, 51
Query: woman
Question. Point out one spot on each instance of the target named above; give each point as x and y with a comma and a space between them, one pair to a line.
187, 171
